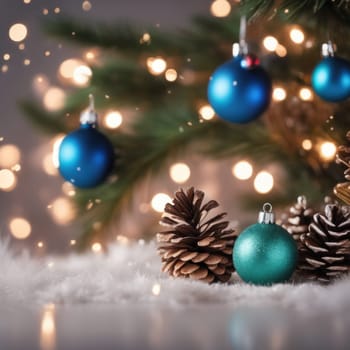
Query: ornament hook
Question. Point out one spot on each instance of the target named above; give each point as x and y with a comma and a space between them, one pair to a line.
328, 49
241, 48
89, 115
266, 216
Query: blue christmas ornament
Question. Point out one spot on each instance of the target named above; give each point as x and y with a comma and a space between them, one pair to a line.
331, 77
86, 156
240, 90
265, 253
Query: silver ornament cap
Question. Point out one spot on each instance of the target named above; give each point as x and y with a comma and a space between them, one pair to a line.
89, 115
266, 216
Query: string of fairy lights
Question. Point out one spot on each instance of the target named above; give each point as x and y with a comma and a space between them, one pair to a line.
76, 71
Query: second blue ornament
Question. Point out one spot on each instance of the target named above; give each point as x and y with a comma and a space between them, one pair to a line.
86, 156
265, 253
330, 79
240, 90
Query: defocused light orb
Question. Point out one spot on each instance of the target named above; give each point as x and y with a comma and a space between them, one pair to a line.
263, 182
18, 32
54, 99
170, 74
55, 148
220, 8
180, 172
8, 180
281, 51
86, 6
270, 43
10, 155
40, 84
306, 144
67, 67
113, 119
82, 75
297, 36
62, 211
159, 201
96, 247
156, 65
242, 170
328, 150
279, 94
306, 94
48, 165
68, 189
20, 228
207, 112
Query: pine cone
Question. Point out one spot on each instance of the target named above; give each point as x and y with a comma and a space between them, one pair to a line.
299, 219
343, 156
195, 246
326, 247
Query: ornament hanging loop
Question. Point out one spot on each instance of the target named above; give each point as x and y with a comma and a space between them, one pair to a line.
266, 216
89, 116
241, 48
328, 49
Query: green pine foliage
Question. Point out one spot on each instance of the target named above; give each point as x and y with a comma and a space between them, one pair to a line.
166, 120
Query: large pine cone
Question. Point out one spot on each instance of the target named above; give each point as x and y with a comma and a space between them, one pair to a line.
326, 247
299, 219
195, 246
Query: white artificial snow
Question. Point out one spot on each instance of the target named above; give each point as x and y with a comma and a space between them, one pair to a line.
130, 274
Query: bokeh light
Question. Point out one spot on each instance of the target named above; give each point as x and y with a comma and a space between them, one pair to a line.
242, 170
86, 6
67, 67
156, 65
8, 180
10, 155
263, 182
306, 144
328, 150
96, 247
40, 84
207, 112
48, 165
82, 75
306, 94
55, 149
220, 8
18, 32
68, 189
180, 172
279, 94
156, 289
159, 201
170, 74
270, 43
62, 211
20, 228
281, 51
113, 119
297, 36
54, 99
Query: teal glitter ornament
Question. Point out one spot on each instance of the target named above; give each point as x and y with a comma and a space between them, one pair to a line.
265, 253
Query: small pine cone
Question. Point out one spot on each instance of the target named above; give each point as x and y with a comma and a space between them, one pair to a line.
343, 156
299, 219
326, 247
195, 246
